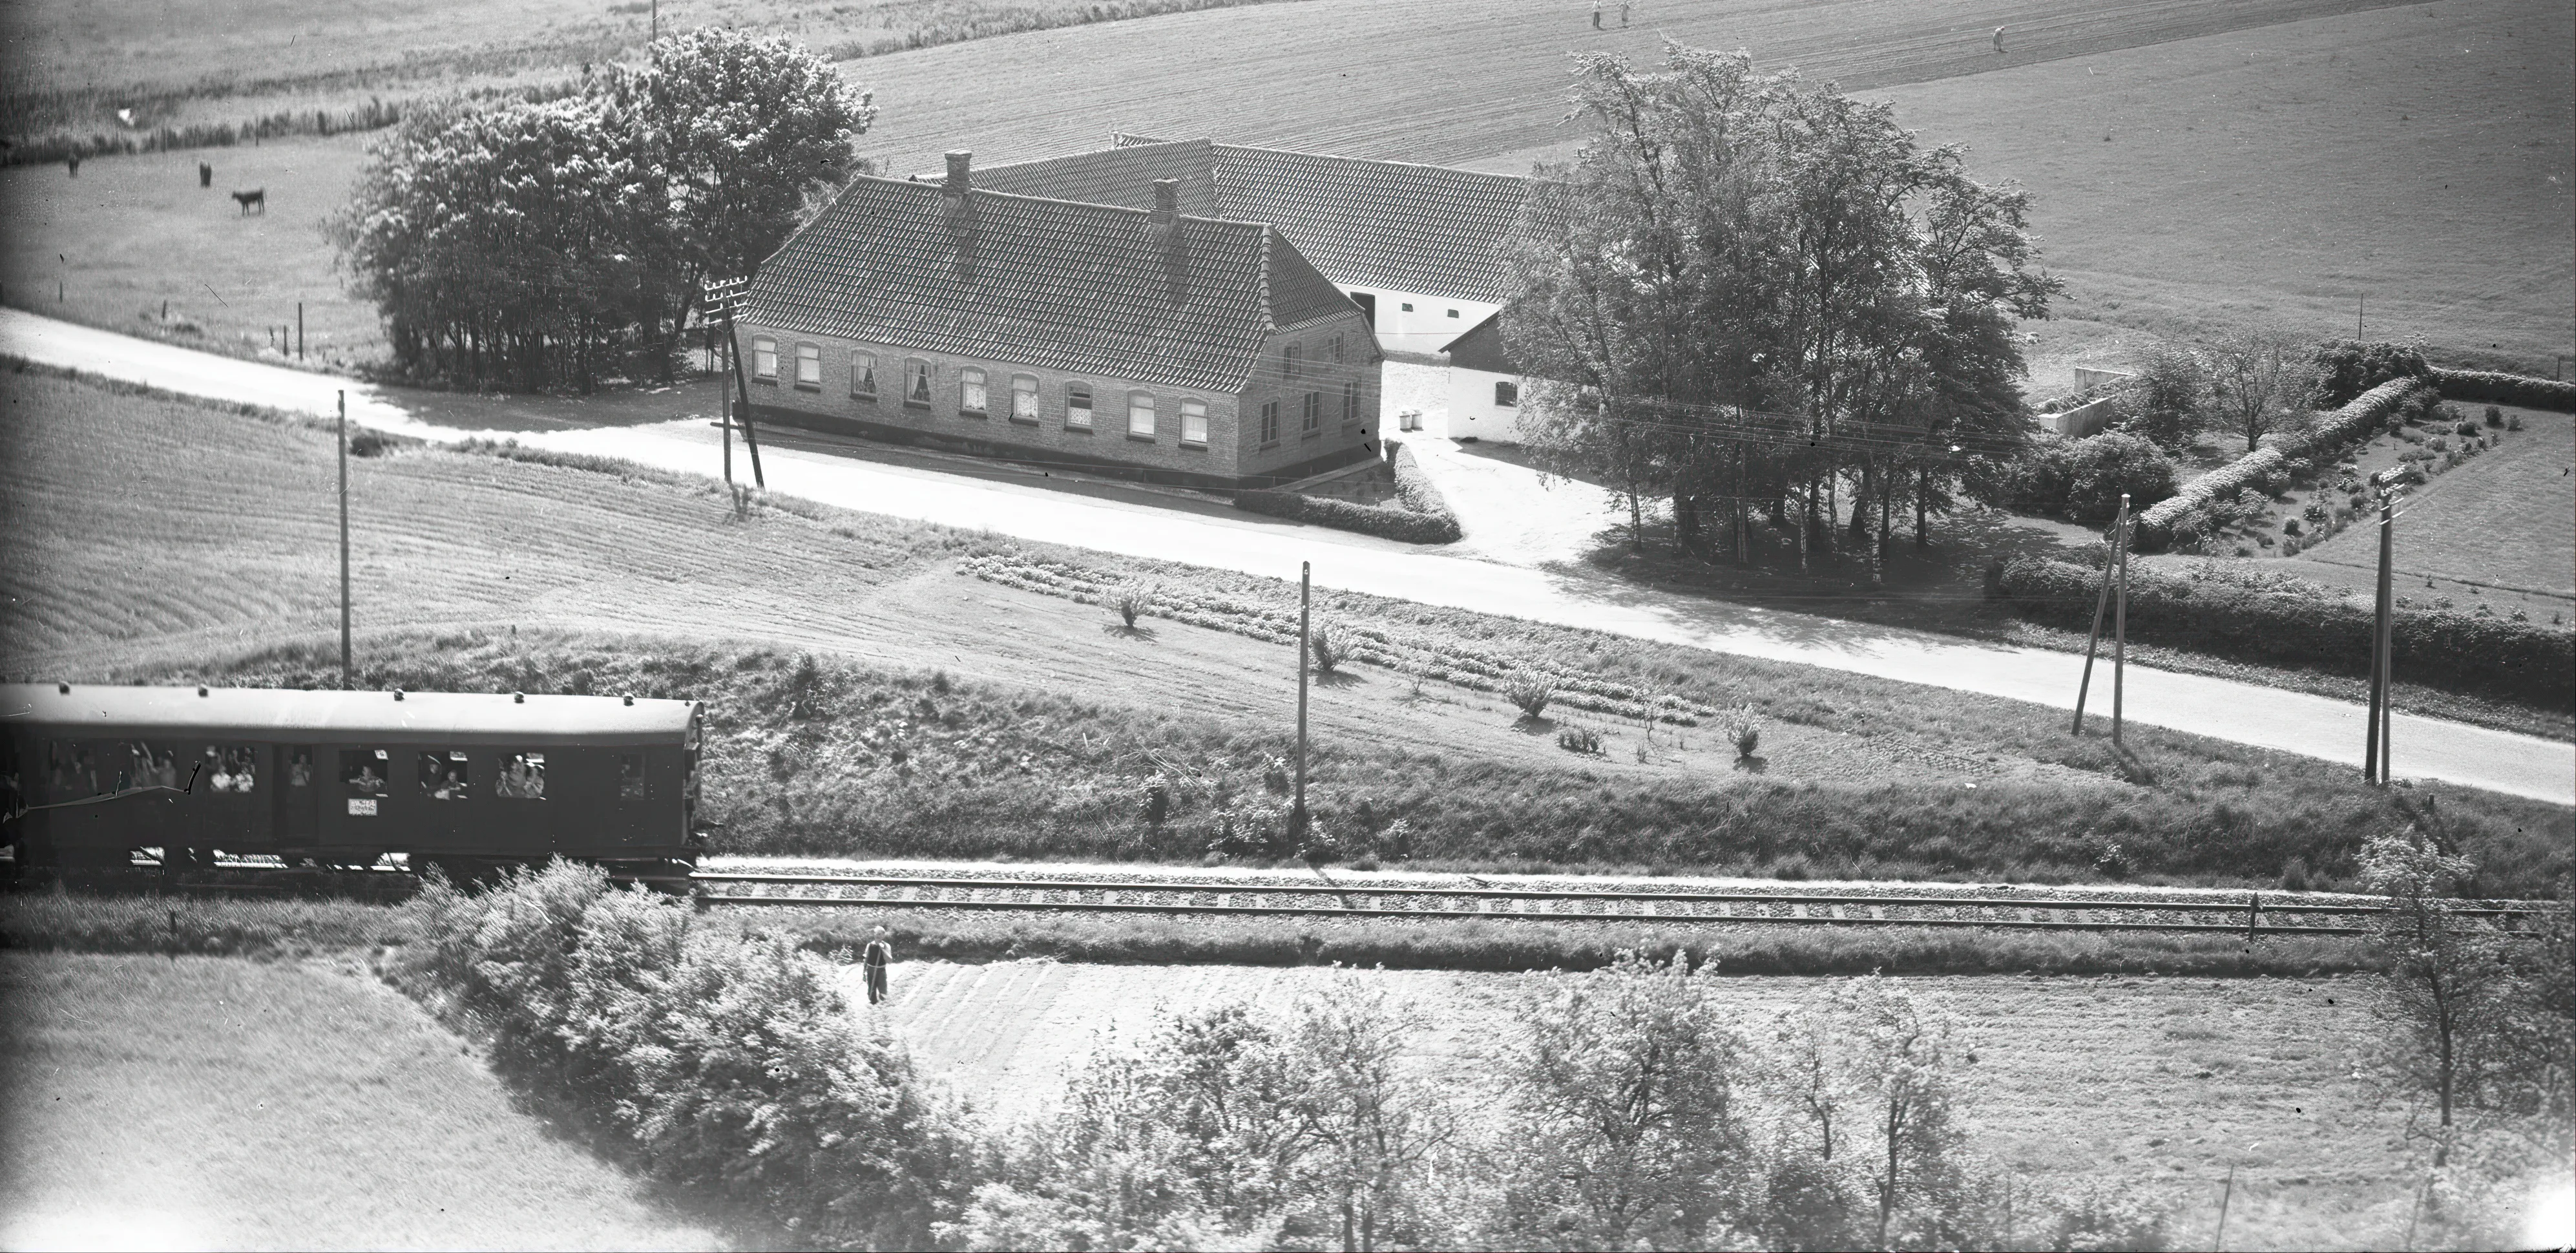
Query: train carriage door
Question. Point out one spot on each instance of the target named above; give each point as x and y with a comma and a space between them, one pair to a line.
297, 798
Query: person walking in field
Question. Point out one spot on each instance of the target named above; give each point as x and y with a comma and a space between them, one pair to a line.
1623, 17
874, 959
1596, 25
1999, 39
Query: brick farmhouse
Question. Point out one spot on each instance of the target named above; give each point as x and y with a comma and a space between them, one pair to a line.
1173, 347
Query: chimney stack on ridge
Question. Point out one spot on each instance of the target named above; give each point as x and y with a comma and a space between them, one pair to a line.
957, 198
1167, 226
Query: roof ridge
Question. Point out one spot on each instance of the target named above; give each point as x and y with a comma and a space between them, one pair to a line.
1014, 195
1342, 156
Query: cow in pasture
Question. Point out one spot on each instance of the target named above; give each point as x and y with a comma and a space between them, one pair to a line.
255, 196
71, 161
205, 175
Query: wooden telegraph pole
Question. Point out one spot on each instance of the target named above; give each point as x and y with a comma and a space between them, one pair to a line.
345, 666
2120, 620
2101, 605
2374, 753
1305, 595
722, 296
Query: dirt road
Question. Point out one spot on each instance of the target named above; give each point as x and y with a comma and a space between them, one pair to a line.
2243, 713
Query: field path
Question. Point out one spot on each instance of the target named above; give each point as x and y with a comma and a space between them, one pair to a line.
2244, 713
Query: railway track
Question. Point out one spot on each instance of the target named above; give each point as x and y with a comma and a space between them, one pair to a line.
2251, 916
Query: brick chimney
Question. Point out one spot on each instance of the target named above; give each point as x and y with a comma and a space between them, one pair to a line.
1167, 229
957, 202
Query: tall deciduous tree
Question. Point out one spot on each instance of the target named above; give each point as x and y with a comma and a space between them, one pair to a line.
2257, 373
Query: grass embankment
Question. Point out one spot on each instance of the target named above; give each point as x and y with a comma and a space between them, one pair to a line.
842, 757
195, 1102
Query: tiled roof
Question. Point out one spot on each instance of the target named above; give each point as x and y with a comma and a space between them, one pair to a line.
1382, 224
1083, 288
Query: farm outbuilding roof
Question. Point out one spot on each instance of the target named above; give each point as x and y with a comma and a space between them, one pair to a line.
1084, 288
1383, 224
103, 711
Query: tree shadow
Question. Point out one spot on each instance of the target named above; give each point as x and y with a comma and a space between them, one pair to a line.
1338, 678
1756, 764
2132, 767
1534, 724
1124, 631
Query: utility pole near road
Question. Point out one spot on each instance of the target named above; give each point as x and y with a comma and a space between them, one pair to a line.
345, 668
722, 296
1305, 597
2374, 753
2102, 604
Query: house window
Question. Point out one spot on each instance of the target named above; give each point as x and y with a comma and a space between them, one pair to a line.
1350, 401
916, 382
1453, 313
1408, 306
1140, 415
444, 776
764, 358
1337, 348
1024, 398
970, 391
1194, 423
1288, 362
1077, 406
1269, 423
1313, 413
863, 375
1507, 393
809, 367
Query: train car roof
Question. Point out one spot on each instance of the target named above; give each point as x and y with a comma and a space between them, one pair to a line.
288, 714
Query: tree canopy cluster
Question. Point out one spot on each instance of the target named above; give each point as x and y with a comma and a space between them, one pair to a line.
1749, 290
536, 239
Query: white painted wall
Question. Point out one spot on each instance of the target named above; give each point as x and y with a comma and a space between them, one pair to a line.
1472, 411
1429, 325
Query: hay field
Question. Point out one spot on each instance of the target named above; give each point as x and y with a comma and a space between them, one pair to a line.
2179, 1079
211, 1102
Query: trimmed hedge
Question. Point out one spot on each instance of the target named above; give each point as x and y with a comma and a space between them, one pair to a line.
2497, 388
2155, 526
2526, 662
2342, 369
1425, 518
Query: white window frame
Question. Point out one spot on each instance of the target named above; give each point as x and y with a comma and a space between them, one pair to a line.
764, 358
916, 370
1269, 423
972, 396
809, 361
1140, 404
1024, 398
1288, 362
863, 375
1078, 416
1507, 394
1310, 414
1350, 401
1194, 423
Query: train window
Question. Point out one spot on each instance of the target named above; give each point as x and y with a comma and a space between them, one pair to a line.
523, 777
70, 769
231, 767
630, 776
365, 770
445, 777
299, 768
153, 765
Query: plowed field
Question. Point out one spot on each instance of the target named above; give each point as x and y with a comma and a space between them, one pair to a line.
2145, 1079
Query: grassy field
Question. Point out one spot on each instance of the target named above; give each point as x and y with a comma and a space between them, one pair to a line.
205, 1102
2181, 1079
2501, 519
2251, 144
205, 546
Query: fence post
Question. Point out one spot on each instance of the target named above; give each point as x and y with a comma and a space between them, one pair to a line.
2253, 908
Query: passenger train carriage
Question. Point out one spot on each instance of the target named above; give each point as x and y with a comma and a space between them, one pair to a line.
343, 778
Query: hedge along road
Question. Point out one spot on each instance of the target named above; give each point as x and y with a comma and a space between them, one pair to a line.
2244, 713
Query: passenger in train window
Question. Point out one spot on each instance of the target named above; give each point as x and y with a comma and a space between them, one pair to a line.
523, 778
364, 771
299, 769
442, 776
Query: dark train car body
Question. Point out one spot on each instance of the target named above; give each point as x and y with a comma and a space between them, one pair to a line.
343, 778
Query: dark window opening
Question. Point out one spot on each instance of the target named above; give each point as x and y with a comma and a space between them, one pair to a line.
446, 776
630, 776
523, 778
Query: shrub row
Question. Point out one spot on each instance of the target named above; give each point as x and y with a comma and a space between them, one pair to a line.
1414, 487
2156, 526
1444, 662
1377, 520
2343, 369
2497, 388
725, 1064
53, 148
2522, 661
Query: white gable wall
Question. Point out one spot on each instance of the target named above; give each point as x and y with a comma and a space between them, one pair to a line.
1429, 326
1473, 413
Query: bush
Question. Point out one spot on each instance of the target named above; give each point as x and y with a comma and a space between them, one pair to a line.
1415, 488
1323, 648
727, 1063
1377, 520
1133, 600
2494, 387
1530, 693
2513, 422
2365, 414
1579, 739
2085, 478
2285, 623
2344, 369
2495, 416
1746, 735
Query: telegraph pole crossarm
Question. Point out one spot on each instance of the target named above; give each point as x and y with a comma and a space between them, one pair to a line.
722, 297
